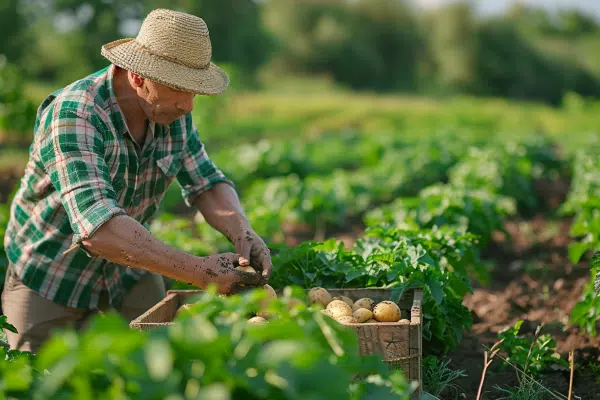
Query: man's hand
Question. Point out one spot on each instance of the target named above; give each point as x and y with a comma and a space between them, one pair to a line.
220, 269
221, 208
254, 252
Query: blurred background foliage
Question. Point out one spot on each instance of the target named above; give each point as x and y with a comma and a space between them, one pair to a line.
398, 57
376, 45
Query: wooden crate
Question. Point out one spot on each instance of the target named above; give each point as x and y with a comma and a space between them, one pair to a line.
398, 343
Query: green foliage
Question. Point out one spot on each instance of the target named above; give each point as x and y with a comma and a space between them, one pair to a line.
533, 357
179, 233
17, 112
4, 218
330, 200
582, 202
586, 312
12, 29
527, 389
476, 211
210, 352
438, 377
508, 65
362, 44
484, 187
510, 168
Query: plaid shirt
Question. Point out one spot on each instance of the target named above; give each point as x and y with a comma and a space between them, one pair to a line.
84, 169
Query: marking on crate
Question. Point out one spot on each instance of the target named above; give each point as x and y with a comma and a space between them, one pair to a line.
394, 342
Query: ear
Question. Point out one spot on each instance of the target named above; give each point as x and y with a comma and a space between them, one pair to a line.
136, 79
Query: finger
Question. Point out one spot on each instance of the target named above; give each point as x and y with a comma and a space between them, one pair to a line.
267, 266
262, 256
244, 250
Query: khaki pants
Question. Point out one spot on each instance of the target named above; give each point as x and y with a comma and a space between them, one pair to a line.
36, 317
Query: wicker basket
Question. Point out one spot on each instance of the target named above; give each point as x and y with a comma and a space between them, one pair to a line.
398, 343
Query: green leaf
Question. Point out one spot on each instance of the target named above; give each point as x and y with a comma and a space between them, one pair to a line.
436, 289
5, 325
577, 250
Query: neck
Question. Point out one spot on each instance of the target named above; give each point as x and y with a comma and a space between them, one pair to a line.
127, 98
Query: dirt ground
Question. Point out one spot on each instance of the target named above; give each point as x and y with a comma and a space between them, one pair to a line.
533, 281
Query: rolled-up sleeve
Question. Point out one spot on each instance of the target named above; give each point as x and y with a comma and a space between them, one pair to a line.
72, 154
198, 173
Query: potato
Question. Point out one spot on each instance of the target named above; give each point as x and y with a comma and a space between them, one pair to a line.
371, 321
365, 302
387, 311
246, 269
346, 319
345, 299
362, 314
319, 295
326, 312
264, 304
338, 308
258, 321
404, 321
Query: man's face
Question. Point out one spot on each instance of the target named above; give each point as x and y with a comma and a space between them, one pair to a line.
162, 104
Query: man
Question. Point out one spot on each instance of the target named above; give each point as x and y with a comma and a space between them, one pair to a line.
106, 149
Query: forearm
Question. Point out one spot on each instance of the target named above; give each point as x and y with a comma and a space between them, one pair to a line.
221, 208
124, 241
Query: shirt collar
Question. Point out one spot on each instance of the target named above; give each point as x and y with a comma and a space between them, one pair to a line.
117, 115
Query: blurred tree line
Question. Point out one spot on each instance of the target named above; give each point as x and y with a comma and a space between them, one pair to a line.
379, 45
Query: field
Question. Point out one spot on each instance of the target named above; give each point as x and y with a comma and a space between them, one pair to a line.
489, 206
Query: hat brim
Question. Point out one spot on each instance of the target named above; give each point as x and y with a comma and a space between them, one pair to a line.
130, 55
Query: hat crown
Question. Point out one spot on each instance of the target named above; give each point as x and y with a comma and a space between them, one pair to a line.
179, 37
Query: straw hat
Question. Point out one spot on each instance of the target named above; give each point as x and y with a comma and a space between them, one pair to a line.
172, 48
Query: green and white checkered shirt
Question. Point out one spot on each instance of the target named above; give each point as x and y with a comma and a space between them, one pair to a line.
84, 169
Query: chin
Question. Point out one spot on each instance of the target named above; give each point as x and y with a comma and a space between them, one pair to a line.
163, 120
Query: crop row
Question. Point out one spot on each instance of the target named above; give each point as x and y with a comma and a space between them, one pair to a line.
583, 204
431, 182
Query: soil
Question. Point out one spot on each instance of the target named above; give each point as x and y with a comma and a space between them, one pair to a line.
533, 281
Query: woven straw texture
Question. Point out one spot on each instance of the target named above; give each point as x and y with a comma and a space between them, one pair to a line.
172, 48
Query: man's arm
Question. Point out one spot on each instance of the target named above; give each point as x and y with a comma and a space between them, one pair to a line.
207, 188
125, 241
221, 208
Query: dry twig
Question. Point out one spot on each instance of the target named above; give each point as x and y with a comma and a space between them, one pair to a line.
488, 357
572, 362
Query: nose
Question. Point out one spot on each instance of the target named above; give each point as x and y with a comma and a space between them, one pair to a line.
186, 104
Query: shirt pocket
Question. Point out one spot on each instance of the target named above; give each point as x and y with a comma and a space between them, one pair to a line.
170, 165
